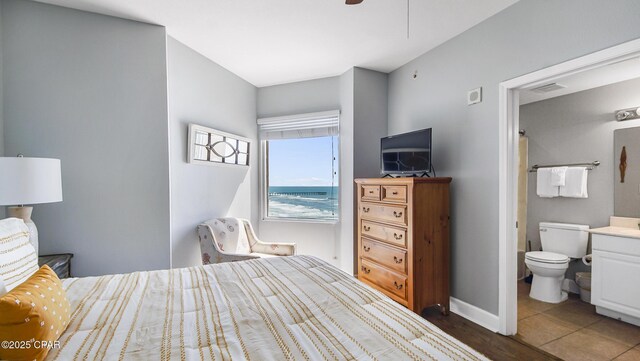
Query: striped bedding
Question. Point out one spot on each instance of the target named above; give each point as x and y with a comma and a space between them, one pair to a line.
279, 308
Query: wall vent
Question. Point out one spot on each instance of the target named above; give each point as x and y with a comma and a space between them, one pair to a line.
548, 88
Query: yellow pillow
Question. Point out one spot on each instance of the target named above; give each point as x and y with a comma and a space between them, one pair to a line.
33, 315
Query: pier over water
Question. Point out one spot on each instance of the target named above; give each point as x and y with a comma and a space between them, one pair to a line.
323, 194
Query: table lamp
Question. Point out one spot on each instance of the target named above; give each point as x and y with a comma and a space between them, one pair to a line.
29, 181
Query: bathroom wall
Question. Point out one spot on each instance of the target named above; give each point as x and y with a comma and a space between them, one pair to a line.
571, 129
627, 195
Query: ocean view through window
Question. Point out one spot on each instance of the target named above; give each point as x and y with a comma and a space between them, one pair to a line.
302, 178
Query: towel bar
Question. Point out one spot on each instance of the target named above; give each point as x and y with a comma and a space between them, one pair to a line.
590, 166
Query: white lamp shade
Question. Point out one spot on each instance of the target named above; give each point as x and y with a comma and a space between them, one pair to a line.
29, 181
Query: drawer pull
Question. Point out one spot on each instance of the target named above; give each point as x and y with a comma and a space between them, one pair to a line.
366, 209
397, 214
397, 260
370, 192
366, 249
397, 236
398, 286
395, 193
365, 270
366, 228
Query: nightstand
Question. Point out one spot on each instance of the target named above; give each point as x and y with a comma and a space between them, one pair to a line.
59, 263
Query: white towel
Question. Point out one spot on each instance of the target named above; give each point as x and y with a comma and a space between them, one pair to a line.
544, 187
558, 176
575, 183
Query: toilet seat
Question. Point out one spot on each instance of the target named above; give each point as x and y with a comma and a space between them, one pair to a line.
546, 257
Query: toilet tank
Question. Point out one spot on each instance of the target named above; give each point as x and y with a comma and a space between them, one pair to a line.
564, 238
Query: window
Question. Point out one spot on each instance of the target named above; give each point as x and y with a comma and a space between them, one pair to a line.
300, 167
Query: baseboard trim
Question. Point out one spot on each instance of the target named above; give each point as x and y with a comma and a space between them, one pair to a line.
474, 314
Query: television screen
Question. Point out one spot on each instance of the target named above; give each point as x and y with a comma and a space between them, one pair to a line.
408, 153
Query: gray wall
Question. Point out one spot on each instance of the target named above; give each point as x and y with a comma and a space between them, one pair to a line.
301, 97
361, 95
1, 101
2, 209
202, 92
370, 120
576, 128
571, 129
370, 109
527, 36
91, 90
318, 239
345, 229
627, 196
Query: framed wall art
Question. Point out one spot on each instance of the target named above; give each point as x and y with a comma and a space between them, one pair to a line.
214, 147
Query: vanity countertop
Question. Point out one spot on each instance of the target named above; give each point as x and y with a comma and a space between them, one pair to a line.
620, 227
617, 231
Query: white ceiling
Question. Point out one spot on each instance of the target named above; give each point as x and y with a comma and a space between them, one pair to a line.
269, 42
601, 76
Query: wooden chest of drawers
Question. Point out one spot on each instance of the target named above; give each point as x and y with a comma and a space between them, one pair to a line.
403, 239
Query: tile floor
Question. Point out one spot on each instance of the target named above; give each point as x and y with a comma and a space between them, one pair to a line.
572, 330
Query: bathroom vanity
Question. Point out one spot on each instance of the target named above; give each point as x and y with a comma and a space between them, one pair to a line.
615, 287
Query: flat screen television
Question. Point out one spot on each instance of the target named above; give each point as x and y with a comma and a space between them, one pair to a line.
408, 153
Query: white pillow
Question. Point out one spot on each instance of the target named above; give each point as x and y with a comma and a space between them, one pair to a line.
3, 288
18, 258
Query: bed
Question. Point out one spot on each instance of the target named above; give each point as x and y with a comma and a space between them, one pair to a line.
279, 308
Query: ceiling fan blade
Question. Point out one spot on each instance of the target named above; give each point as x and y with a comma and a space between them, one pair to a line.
353, 2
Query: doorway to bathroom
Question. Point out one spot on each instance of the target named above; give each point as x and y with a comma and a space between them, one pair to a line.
563, 116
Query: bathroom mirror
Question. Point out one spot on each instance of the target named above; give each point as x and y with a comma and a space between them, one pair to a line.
626, 154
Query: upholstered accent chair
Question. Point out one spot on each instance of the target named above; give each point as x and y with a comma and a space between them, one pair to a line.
233, 239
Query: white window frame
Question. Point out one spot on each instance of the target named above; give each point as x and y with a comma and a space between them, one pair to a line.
264, 171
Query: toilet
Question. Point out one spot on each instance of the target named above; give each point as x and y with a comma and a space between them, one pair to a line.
560, 243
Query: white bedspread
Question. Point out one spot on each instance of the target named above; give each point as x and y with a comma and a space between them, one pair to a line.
267, 309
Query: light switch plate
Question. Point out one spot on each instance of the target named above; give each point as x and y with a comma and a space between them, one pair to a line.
474, 96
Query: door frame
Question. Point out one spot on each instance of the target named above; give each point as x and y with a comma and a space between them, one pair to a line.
508, 165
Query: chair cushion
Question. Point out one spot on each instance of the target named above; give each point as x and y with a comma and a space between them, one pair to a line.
36, 310
230, 235
262, 255
18, 258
